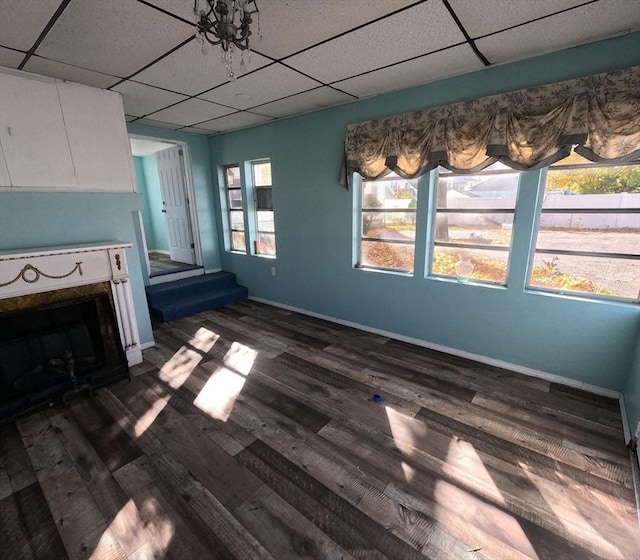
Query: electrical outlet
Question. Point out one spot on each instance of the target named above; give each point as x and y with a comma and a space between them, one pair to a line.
273, 271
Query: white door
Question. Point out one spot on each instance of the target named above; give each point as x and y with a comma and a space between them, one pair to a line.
175, 205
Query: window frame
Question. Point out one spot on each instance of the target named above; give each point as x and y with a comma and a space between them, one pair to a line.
256, 231
231, 208
540, 211
370, 239
434, 210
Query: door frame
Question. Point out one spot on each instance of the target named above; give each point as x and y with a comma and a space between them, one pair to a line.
190, 193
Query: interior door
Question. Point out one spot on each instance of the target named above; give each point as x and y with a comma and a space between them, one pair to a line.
175, 204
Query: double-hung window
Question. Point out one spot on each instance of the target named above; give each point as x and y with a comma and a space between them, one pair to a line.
388, 223
235, 209
265, 238
472, 221
588, 234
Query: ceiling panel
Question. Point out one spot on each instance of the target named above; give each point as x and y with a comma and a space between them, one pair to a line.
140, 99
313, 100
10, 58
191, 111
450, 62
157, 124
489, 16
54, 69
394, 39
234, 121
195, 130
22, 21
189, 71
117, 37
267, 84
568, 29
308, 22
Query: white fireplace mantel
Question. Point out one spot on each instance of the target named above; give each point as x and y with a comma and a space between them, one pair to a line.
44, 269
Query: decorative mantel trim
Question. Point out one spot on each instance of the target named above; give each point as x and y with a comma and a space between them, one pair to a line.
22, 274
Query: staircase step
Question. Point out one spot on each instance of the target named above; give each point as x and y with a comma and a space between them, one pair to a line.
189, 296
204, 284
187, 305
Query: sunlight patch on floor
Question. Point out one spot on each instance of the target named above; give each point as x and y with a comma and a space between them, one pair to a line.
142, 534
204, 339
403, 430
219, 394
572, 520
144, 423
176, 370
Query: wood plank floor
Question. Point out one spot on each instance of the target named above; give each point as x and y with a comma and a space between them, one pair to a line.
251, 433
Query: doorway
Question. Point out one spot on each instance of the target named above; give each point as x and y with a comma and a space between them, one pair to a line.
169, 217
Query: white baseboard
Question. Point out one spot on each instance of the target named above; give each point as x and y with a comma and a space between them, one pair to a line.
145, 345
454, 351
212, 270
164, 278
625, 421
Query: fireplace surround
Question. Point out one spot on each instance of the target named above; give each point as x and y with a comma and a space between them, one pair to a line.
67, 322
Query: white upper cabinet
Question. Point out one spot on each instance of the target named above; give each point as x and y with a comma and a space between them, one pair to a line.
32, 133
97, 134
60, 135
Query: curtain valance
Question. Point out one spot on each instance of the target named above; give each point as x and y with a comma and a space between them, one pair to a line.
525, 129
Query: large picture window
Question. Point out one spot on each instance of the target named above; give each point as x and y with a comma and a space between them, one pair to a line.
588, 235
388, 223
472, 223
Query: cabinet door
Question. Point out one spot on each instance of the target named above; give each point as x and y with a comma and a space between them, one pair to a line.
98, 137
32, 133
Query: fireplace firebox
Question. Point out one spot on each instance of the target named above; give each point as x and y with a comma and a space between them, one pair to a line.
57, 345
67, 323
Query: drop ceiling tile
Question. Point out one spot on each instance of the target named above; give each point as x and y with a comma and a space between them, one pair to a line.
429, 68
189, 71
55, 69
584, 24
305, 102
308, 22
180, 8
140, 99
234, 121
22, 21
190, 112
390, 40
117, 37
195, 130
267, 84
494, 15
10, 58
158, 124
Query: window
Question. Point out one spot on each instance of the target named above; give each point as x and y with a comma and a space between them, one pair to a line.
472, 223
265, 239
235, 208
588, 236
388, 223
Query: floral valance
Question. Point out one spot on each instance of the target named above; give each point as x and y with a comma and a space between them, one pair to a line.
525, 129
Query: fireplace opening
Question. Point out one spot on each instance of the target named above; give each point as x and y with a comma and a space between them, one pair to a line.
53, 350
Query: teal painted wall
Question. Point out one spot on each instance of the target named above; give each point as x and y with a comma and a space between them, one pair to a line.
206, 201
141, 184
158, 236
36, 219
589, 341
632, 391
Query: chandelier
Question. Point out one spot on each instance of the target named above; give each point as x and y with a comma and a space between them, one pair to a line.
226, 23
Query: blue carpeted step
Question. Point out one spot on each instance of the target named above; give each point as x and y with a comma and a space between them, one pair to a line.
169, 291
182, 298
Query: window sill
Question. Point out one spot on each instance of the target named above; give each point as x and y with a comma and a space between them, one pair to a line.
473, 283
401, 273
583, 297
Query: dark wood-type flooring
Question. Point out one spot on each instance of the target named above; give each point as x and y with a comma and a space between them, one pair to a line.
250, 433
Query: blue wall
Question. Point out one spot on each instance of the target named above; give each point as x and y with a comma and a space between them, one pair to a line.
155, 225
36, 219
632, 391
207, 202
588, 341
